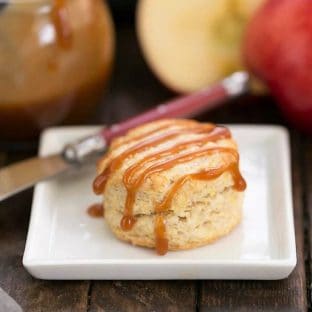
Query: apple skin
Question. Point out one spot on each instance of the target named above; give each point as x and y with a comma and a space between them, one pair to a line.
278, 49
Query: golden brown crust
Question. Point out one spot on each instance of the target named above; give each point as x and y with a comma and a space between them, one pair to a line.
201, 211
174, 246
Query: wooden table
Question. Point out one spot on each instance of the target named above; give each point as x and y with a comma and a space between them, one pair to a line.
132, 90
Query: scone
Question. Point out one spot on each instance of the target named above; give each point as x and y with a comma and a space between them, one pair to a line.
172, 184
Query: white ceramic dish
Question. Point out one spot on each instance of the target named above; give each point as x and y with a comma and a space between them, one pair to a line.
65, 243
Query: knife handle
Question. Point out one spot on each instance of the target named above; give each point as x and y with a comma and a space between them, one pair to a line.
183, 106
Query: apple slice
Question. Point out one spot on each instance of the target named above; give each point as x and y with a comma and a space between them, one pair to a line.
191, 44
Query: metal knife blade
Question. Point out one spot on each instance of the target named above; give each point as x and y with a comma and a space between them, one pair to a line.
24, 174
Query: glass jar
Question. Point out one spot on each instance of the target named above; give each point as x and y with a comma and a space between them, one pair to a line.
55, 58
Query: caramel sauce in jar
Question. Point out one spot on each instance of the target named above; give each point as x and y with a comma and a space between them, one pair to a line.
55, 59
165, 159
63, 29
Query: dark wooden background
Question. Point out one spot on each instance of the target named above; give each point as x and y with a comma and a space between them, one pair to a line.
133, 88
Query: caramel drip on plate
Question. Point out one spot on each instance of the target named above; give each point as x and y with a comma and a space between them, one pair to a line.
165, 159
61, 23
96, 210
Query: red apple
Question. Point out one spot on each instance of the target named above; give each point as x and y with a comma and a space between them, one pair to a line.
278, 49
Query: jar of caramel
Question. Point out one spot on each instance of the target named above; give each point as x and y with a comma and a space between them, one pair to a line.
55, 58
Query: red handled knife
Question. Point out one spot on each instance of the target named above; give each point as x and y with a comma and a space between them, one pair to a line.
24, 174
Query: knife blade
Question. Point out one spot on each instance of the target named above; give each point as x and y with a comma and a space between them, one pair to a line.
22, 175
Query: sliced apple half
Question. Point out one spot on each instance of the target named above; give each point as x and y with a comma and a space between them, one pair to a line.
191, 44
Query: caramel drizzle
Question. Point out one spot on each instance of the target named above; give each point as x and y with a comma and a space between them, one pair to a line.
161, 242
144, 135
166, 159
128, 219
101, 180
216, 133
213, 173
60, 18
132, 185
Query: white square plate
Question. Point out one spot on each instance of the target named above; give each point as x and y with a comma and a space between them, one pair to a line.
65, 243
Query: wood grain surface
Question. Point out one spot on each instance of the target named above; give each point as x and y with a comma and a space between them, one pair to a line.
133, 89
174, 296
307, 182
30, 293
